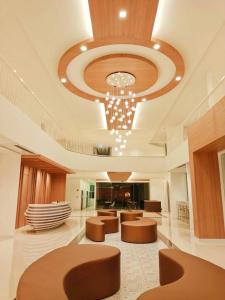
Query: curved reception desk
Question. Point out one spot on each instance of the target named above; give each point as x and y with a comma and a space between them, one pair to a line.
47, 216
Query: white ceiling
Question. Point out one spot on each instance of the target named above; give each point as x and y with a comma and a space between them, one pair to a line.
34, 34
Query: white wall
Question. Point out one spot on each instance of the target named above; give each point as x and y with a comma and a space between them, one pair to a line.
74, 186
158, 191
178, 190
73, 192
9, 183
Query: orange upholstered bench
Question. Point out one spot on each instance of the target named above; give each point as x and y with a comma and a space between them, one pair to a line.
97, 227
184, 276
130, 215
143, 230
107, 212
78, 272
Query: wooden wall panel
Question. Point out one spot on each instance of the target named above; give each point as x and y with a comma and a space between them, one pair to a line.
208, 210
41, 181
58, 187
206, 137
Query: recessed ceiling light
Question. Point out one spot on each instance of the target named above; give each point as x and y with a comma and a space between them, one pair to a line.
178, 78
122, 14
63, 80
143, 100
83, 48
96, 100
156, 46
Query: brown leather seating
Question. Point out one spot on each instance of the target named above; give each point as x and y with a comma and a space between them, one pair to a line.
107, 212
78, 272
141, 231
187, 277
97, 227
130, 215
152, 205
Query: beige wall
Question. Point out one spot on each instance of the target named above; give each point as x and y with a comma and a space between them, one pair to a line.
9, 183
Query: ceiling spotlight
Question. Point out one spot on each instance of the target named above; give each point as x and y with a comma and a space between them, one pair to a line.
122, 146
118, 140
122, 92
116, 113
117, 131
107, 112
124, 126
116, 148
178, 78
97, 100
143, 100
129, 132
156, 46
83, 48
130, 93
129, 121
111, 121
122, 14
132, 100
112, 131
63, 80
113, 98
107, 98
107, 93
134, 94
133, 108
110, 105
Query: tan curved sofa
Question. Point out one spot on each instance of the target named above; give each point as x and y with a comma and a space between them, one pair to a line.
78, 272
130, 215
141, 231
187, 277
97, 227
107, 212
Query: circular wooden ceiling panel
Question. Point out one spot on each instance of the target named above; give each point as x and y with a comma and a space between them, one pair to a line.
145, 72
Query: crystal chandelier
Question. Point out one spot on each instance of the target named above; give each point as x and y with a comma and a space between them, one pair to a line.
120, 107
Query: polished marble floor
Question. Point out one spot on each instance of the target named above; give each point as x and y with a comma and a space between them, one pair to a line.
19, 251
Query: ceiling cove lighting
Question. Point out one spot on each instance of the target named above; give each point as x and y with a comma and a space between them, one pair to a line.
83, 48
122, 14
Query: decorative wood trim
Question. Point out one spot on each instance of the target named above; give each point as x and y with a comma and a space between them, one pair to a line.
43, 163
138, 24
144, 71
119, 176
165, 48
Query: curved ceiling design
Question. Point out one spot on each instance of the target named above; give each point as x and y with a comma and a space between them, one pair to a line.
121, 24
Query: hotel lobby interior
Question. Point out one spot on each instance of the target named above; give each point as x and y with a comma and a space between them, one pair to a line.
112, 149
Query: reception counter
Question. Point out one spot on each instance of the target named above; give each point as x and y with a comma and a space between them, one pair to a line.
47, 216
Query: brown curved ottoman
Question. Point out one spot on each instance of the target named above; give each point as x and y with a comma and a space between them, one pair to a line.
140, 231
97, 227
78, 272
130, 215
184, 276
152, 206
107, 212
